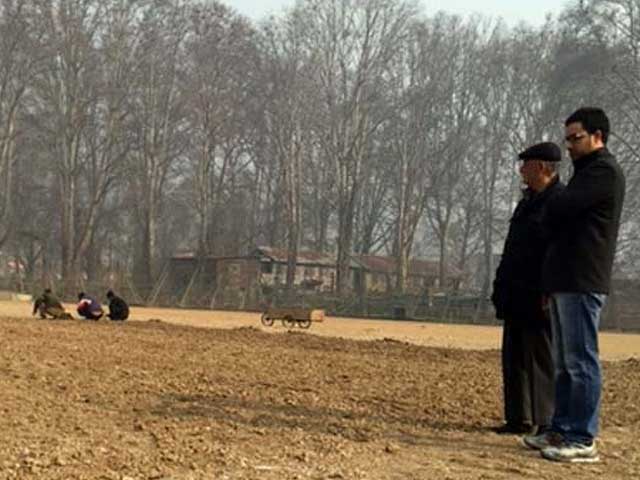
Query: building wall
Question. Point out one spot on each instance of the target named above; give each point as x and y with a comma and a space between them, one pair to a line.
315, 277
240, 282
322, 279
238, 273
378, 282
237, 283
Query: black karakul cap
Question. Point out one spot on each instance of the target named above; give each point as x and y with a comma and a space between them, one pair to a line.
545, 151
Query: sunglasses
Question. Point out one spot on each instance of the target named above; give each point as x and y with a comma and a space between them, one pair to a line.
575, 138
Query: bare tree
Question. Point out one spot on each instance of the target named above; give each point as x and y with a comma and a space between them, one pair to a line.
158, 126
375, 223
106, 140
67, 93
217, 89
454, 136
496, 116
18, 63
354, 42
409, 130
288, 111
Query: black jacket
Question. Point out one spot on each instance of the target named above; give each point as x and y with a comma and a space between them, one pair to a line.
118, 308
517, 288
584, 221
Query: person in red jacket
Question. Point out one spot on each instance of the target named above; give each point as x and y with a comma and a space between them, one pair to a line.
89, 308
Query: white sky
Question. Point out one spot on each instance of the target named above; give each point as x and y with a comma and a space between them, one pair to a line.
512, 11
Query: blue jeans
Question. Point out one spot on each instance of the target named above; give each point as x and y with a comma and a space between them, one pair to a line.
575, 318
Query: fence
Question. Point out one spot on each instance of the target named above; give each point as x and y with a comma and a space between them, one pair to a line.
621, 313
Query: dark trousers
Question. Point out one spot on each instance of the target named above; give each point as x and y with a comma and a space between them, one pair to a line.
528, 372
95, 315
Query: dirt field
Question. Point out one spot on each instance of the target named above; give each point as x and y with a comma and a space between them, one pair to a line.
155, 400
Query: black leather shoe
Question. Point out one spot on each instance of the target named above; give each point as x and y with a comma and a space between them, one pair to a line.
513, 429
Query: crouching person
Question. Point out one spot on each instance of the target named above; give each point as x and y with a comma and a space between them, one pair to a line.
89, 308
118, 308
48, 305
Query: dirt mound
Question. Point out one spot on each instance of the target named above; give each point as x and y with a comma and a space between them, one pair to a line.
146, 400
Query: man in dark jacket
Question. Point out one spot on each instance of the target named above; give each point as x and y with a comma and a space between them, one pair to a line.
527, 361
118, 308
584, 221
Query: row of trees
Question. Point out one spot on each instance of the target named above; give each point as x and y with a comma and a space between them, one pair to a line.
131, 130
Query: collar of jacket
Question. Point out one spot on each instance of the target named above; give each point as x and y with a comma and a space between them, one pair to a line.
582, 162
531, 199
529, 194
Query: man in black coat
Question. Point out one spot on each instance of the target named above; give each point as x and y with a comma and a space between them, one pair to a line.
584, 220
527, 360
118, 308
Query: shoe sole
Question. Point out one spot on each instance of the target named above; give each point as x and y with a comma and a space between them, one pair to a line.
585, 460
595, 459
573, 460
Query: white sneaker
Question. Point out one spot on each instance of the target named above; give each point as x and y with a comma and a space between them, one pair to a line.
572, 453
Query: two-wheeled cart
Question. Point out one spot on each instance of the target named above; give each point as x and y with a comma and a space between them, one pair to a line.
292, 317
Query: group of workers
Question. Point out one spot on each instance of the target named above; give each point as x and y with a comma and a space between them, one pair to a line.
50, 306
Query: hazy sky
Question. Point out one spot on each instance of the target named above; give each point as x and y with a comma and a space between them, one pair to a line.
512, 11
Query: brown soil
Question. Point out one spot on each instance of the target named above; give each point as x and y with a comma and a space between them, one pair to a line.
153, 400
613, 346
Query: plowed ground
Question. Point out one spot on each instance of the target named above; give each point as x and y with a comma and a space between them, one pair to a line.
155, 400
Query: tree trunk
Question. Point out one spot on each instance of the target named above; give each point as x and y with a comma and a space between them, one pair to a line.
6, 171
68, 193
345, 238
442, 261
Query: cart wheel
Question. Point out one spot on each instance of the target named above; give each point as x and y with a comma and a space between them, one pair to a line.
304, 323
288, 322
266, 320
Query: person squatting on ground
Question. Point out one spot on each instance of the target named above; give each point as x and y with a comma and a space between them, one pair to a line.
48, 304
527, 357
88, 307
583, 220
118, 308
